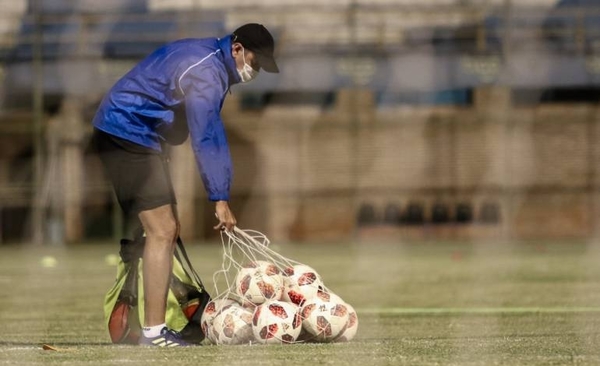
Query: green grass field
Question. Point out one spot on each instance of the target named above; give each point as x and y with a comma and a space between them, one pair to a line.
418, 304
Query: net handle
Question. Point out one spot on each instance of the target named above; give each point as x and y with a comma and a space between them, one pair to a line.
245, 234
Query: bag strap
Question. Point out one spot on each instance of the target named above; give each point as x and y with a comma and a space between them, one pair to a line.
186, 261
128, 292
130, 253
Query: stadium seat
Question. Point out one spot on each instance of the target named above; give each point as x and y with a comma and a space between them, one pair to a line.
414, 214
464, 213
440, 213
392, 214
53, 47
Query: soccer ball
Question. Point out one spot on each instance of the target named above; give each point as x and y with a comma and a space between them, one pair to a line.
276, 322
301, 283
258, 282
327, 295
233, 325
324, 320
351, 326
212, 309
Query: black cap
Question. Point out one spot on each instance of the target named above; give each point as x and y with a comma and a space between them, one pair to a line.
257, 39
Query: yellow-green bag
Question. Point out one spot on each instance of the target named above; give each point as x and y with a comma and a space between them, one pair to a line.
123, 303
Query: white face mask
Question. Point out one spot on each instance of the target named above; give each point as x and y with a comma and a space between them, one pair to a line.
247, 73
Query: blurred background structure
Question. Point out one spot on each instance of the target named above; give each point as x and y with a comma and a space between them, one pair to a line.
395, 119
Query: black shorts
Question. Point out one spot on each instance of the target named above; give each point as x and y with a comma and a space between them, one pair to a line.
139, 175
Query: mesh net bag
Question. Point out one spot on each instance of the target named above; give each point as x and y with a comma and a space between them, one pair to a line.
264, 297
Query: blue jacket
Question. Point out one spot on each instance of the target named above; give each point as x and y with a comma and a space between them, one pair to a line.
188, 77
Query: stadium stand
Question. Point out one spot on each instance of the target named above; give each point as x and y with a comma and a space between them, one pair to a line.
407, 100
10, 22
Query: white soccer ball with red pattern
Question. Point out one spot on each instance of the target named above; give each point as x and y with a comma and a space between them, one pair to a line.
326, 295
276, 322
212, 309
258, 282
301, 283
233, 325
324, 320
351, 327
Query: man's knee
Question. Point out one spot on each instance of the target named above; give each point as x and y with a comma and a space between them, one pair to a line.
160, 225
165, 231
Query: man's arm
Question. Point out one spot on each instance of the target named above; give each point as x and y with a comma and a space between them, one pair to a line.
204, 88
226, 219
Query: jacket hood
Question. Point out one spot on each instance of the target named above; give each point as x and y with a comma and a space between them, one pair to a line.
225, 46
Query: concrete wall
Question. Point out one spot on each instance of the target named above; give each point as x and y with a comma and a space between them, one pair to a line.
308, 170
303, 172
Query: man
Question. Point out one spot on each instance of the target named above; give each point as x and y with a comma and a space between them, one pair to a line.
137, 119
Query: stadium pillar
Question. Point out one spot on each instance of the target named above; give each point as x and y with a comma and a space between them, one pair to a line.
594, 201
493, 104
72, 156
355, 108
37, 219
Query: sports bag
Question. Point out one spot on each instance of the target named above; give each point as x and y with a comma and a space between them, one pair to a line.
124, 302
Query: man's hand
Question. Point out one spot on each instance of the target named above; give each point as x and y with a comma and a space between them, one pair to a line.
225, 216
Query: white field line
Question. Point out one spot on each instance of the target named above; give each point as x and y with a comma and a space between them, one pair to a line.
467, 311
18, 348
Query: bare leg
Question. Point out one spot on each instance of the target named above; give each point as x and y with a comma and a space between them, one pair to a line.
161, 229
